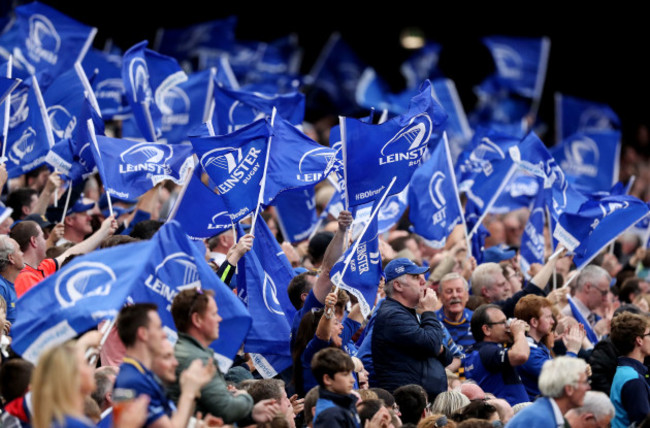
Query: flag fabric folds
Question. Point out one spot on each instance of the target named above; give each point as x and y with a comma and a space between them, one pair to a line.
574, 115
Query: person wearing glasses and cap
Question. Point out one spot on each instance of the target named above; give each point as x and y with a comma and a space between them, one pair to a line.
408, 339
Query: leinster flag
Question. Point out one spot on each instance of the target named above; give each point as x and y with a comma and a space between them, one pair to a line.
235, 164
577, 115
422, 65
237, 108
296, 210
106, 79
359, 269
590, 160
149, 79
532, 240
374, 154
128, 168
50, 42
597, 223
29, 136
433, 198
372, 92
294, 160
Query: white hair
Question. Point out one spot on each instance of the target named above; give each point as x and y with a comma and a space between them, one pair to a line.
558, 373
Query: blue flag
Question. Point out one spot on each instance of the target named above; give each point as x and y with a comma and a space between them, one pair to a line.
532, 240
520, 192
264, 273
30, 135
50, 42
574, 115
590, 160
105, 71
128, 168
186, 43
201, 213
374, 154
359, 269
296, 210
336, 74
458, 130
597, 223
294, 160
520, 63
237, 108
175, 265
473, 217
252, 59
149, 78
6, 86
90, 289
235, 164
84, 160
422, 65
373, 92
434, 209
392, 210
64, 100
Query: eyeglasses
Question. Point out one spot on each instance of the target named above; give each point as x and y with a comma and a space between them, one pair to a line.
602, 292
497, 322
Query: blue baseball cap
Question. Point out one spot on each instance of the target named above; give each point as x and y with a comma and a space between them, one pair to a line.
402, 266
496, 254
79, 207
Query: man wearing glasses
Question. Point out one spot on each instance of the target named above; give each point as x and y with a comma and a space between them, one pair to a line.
490, 364
630, 392
592, 287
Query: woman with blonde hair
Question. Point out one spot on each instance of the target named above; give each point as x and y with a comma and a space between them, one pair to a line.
60, 382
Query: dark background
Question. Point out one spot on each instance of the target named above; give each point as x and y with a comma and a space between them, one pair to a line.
597, 54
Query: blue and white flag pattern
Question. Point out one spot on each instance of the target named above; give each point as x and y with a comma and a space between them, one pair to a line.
590, 160
105, 74
128, 168
574, 115
422, 65
434, 209
374, 154
296, 211
532, 240
149, 78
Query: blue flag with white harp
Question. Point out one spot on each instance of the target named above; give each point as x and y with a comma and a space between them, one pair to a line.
105, 75
374, 154
252, 59
359, 270
532, 240
520, 192
434, 209
29, 135
574, 115
422, 65
128, 168
186, 43
201, 212
264, 273
235, 164
520, 63
597, 223
296, 210
237, 108
148, 78
294, 160
590, 160
50, 42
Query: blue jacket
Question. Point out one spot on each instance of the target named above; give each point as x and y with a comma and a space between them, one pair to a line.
630, 393
336, 410
406, 350
537, 415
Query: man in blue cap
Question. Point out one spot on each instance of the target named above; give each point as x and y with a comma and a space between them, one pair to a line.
407, 339
77, 223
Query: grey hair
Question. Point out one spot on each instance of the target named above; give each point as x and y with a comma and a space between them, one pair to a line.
558, 373
597, 403
591, 274
6, 249
452, 276
447, 402
483, 277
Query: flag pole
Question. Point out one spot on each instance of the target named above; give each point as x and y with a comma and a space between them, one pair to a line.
5, 130
260, 198
93, 140
460, 206
181, 193
105, 330
67, 202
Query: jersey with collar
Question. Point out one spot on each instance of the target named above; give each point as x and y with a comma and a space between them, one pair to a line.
460, 331
487, 363
133, 375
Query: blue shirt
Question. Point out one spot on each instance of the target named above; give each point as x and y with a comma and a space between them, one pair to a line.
133, 375
8, 292
460, 331
531, 369
311, 302
630, 393
72, 422
487, 363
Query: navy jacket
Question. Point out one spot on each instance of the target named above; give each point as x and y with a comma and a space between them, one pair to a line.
336, 410
407, 351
